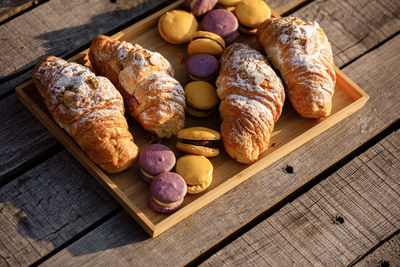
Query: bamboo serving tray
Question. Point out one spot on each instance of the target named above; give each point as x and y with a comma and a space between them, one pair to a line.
291, 131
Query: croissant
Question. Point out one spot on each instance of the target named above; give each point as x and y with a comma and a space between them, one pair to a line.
303, 55
90, 109
252, 97
145, 79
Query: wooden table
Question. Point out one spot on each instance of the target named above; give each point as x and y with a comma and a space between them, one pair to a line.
53, 213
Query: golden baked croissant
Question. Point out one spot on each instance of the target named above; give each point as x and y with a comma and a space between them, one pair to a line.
145, 79
303, 55
90, 109
252, 97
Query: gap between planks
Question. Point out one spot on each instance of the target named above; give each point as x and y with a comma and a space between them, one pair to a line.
51, 151
374, 47
207, 253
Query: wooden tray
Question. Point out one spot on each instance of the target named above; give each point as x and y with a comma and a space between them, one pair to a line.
291, 131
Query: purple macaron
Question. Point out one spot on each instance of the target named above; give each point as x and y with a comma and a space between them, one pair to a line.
168, 190
222, 22
202, 67
199, 7
155, 159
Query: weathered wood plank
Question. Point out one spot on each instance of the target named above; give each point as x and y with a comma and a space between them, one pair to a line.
212, 223
22, 137
335, 222
282, 6
9, 8
46, 206
354, 27
388, 254
60, 27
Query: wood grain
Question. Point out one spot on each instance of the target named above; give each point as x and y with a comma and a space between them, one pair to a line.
388, 254
353, 27
22, 137
217, 220
243, 203
131, 191
46, 206
335, 222
59, 27
9, 8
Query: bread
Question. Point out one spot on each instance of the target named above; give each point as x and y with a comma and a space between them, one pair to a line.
303, 55
145, 79
90, 109
252, 97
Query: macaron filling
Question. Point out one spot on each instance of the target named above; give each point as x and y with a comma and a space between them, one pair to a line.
197, 188
207, 38
148, 175
247, 28
206, 143
200, 110
163, 204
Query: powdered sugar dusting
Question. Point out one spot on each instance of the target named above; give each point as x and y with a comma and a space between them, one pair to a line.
302, 53
77, 92
252, 99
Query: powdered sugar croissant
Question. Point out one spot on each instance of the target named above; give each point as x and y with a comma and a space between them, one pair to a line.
252, 97
145, 79
303, 55
90, 109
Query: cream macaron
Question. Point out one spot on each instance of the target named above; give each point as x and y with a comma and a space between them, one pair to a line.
199, 140
197, 171
201, 98
177, 26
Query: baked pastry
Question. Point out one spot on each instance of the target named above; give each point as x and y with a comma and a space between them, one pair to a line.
197, 171
177, 26
155, 159
250, 14
167, 192
199, 141
252, 97
303, 55
90, 109
145, 79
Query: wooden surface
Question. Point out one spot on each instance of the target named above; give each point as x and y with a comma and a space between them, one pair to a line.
388, 254
367, 32
190, 238
133, 193
333, 223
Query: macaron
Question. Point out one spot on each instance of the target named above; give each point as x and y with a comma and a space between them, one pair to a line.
199, 7
251, 13
202, 67
197, 171
167, 192
206, 43
177, 26
230, 2
155, 159
201, 99
221, 22
199, 141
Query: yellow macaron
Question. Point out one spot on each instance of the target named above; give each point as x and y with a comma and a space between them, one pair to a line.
206, 43
197, 171
177, 26
201, 98
199, 141
229, 2
251, 13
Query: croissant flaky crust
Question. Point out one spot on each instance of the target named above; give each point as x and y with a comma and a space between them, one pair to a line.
145, 79
303, 55
252, 97
90, 109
